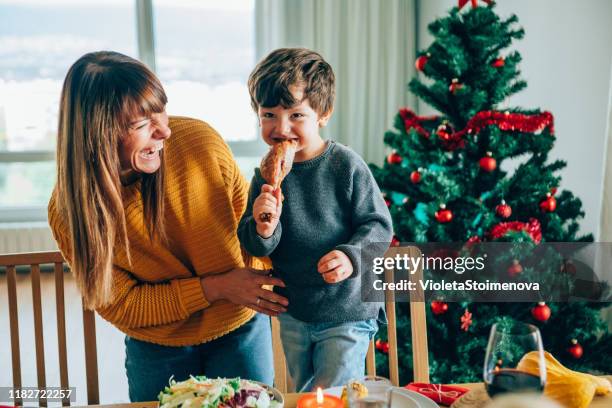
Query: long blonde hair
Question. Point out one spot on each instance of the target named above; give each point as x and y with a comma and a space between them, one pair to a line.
103, 91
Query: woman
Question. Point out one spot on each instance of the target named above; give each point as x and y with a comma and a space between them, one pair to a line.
145, 211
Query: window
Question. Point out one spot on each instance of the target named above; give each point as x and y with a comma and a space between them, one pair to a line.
39, 40
202, 50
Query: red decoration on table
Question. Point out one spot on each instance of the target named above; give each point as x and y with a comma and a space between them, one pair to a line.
395, 242
466, 320
498, 63
541, 312
532, 227
474, 3
549, 204
503, 210
413, 121
575, 349
455, 86
421, 62
415, 177
488, 163
515, 269
439, 308
441, 394
394, 158
443, 215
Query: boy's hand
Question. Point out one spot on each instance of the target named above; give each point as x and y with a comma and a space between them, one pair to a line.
335, 266
268, 202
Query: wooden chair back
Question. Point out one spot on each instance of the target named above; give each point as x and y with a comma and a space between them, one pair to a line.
34, 260
418, 326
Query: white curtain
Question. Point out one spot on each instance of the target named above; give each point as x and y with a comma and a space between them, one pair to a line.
370, 45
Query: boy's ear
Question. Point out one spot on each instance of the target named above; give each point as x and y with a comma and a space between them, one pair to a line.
323, 119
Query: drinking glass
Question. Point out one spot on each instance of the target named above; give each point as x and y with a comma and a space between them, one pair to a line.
380, 393
509, 342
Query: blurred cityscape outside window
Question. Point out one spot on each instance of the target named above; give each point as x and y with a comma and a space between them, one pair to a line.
204, 50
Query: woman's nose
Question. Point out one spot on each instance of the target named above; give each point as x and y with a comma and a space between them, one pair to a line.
162, 130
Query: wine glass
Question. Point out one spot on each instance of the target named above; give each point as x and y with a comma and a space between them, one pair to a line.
509, 342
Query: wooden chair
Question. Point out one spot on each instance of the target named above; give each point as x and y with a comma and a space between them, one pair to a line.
418, 327
34, 261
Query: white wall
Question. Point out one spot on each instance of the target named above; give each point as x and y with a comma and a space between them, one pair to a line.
567, 57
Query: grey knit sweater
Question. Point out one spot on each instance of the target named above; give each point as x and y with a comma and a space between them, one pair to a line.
331, 202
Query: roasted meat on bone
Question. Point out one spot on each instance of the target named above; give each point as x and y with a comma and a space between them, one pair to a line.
275, 166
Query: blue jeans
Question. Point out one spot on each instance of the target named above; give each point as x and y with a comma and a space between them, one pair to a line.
246, 352
325, 354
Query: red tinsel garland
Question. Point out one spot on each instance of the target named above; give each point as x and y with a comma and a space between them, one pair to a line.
503, 120
412, 120
511, 121
532, 227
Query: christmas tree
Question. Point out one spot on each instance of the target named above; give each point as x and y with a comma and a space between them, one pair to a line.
443, 182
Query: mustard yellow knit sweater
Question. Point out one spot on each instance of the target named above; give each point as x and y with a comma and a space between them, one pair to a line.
158, 298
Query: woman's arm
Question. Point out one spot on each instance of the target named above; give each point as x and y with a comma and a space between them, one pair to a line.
135, 303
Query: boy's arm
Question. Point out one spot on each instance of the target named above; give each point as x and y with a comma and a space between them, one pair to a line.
370, 217
247, 228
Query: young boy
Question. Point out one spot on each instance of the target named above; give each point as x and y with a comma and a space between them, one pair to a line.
332, 207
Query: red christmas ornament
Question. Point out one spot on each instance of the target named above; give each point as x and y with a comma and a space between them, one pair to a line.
515, 269
474, 3
455, 86
421, 62
541, 312
388, 202
443, 215
415, 177
553, 190
443, 132
466, 320
382, 345
395, 242
474, 239
394, 158
498, 63
488, 163
503, 210
549, 204
575, 349
439, 308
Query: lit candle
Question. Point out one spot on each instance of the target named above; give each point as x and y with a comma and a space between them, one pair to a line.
319, 400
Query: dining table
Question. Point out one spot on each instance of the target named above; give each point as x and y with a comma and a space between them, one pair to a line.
475, 397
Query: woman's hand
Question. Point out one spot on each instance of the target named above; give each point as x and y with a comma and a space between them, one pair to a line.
243, 286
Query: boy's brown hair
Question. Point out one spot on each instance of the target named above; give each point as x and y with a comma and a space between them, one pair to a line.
270, 80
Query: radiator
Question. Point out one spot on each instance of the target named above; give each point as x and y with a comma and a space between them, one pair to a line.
26, 237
